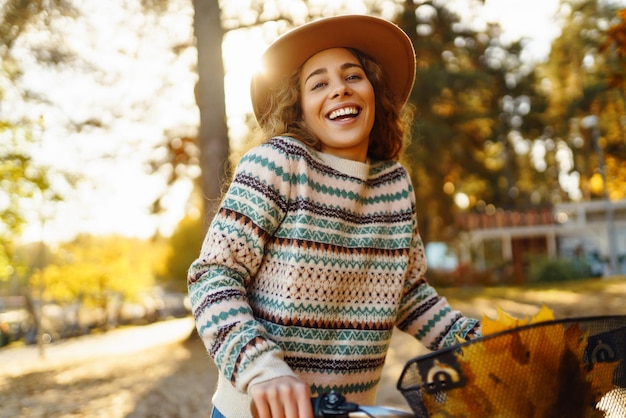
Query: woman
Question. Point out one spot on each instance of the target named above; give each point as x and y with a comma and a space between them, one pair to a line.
314, 255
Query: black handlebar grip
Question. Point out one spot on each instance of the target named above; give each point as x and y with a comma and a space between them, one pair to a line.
332, 404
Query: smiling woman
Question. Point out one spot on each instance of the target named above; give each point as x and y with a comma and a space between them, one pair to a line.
315, 245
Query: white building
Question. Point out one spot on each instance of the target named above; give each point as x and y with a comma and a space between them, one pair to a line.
595, 230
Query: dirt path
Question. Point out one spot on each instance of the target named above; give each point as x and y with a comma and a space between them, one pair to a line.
152, 371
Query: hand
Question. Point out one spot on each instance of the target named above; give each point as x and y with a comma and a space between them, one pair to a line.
283, 397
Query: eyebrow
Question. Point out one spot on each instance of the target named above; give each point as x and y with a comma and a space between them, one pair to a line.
323, 70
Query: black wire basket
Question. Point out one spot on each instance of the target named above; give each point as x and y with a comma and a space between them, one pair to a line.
561, 368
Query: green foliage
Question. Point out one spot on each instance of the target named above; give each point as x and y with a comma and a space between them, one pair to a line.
14, 182
20, 181
557, 270
24, 186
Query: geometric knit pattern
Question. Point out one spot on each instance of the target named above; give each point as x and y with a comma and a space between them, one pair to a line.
307, 267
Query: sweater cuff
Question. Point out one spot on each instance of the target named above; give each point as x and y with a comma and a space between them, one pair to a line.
267, 367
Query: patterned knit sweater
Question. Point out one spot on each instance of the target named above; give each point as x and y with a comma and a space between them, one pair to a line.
306, 268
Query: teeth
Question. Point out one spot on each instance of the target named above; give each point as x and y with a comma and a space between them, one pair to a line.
342, 112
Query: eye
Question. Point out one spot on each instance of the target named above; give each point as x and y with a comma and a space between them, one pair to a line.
318, 85
315, 83
354, 77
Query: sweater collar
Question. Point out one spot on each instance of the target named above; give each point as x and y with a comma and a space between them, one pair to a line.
352, 168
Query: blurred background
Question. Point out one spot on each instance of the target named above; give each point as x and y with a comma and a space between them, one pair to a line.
120, 121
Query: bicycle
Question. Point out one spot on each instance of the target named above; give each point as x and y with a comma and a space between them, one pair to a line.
590, 377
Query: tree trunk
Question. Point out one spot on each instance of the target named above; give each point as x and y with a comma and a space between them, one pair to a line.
213, 131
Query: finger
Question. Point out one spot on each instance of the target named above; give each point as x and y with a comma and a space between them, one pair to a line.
260, 407
275, 402
303, 397
289, 402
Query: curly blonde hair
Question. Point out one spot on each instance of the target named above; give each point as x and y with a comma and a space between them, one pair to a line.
392, 121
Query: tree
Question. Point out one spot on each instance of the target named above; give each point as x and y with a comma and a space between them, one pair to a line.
97, 271
21, 179
475, 106
585, 73
213, 131
208, 147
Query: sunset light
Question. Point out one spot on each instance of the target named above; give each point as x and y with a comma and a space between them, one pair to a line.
422, 173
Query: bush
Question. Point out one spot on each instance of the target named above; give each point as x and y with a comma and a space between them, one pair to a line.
557, 270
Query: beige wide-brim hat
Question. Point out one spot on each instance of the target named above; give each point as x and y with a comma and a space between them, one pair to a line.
380, 39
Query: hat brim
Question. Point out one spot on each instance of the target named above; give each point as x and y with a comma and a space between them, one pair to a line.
380, 39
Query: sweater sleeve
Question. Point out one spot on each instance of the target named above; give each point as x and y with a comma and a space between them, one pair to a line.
233, 248
422, 312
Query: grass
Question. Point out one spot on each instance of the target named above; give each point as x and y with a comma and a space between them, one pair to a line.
514, 292
569, 298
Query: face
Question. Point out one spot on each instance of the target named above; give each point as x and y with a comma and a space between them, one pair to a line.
338, 103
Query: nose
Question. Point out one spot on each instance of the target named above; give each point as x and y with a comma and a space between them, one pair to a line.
340, 89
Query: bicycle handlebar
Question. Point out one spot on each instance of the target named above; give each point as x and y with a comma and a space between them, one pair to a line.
333, 404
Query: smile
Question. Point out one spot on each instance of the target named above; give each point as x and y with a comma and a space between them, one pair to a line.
344, 112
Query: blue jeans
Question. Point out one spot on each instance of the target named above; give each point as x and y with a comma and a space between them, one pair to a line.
216, 414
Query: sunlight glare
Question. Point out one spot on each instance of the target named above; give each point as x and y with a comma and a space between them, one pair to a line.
531, 19
462, 200
127, 90
242, 59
